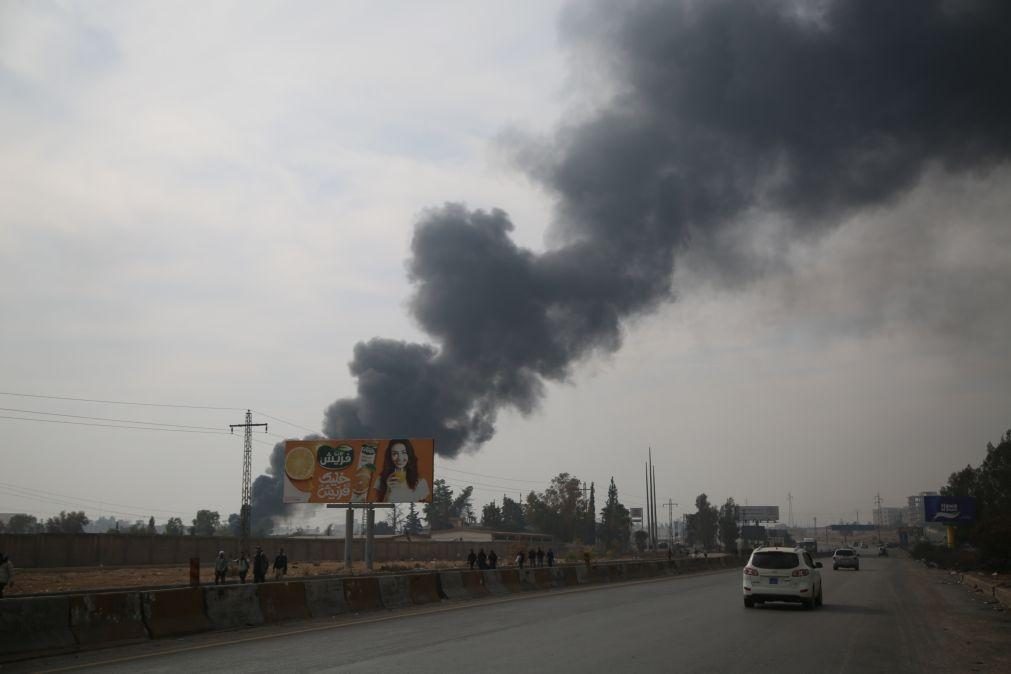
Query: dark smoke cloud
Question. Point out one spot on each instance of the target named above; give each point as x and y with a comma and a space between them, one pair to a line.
267, 493
718, 110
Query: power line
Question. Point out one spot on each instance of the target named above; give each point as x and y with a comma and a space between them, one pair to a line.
493, 477
290, 423
125, 421
136, 428
68, 499
118, 402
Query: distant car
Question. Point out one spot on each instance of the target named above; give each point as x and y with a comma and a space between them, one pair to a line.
782, 574
845, 558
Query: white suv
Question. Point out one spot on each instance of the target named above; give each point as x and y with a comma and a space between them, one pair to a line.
782, 574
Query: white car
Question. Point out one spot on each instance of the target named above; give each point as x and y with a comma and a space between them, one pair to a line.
782, 574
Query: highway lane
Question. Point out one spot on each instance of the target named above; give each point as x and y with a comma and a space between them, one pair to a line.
887, 617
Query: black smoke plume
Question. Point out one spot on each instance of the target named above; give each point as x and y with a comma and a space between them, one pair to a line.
716, 111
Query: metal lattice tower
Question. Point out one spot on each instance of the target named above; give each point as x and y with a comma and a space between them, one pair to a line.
246, 511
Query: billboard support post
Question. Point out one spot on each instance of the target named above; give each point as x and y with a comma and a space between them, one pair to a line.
370, 522
349, 533
951, 537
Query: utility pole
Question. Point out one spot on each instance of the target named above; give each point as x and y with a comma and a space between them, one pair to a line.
670, 520
649, 510
789, 518
656, 527
877, 502
245, 512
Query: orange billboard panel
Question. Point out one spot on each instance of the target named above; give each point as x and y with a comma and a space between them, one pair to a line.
370, 470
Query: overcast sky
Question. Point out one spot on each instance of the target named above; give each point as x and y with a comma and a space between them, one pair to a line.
209, 205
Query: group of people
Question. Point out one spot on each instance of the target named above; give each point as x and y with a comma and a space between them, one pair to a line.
260, 565
6, 573
483, 561
535, 557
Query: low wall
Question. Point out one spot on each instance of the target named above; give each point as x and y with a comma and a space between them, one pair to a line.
72, 550
34, 626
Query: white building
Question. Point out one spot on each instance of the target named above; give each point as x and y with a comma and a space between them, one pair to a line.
915, 515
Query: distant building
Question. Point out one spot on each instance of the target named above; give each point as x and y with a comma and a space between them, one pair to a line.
915, 515
890, 517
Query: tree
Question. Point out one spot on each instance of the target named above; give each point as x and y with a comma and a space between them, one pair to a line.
560, 510
174, 527
383, 529
22, 524
640, 540
394, 519
491, 516
513, 518
440, 509
729, 532
235, 524
412, 523
205, 523
706, 521
614, 522
590, 523
990, 485
151, 528
67, 523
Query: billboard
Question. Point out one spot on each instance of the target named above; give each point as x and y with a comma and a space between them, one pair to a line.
758, 513
949, 509
636, 514
370, 470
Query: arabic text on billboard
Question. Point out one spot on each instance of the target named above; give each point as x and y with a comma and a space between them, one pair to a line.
359, 471
949, 509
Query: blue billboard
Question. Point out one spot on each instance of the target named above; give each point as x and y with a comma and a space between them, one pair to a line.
949, 509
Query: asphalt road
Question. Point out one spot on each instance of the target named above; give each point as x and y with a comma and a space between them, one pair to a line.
891, 616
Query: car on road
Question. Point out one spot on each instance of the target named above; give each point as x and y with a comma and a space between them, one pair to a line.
845, 558
782, 574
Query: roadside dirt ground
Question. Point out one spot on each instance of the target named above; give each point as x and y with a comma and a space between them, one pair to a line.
38, 581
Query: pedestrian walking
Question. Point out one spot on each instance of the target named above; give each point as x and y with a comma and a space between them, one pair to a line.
243, 567
492, 560
280, 565
551, 557
6, 573
532, 557
220, 568
482, 560
471, 558
540, 557
519, 559
260, 565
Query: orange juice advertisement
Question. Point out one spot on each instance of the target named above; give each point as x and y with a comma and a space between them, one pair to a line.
398, 470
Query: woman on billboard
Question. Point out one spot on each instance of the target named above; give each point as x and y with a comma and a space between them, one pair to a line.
399, 481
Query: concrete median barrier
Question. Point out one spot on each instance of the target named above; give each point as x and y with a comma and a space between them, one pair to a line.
475, 583
598, 574
107, 618
35, 625
452, 586
494, 583
173, 613
362, 594
394, 592
232, 606
544, 579
615, 573
282, 601
566, 576
583, 576
526, 578
423, 588
324, 598
633, 571
508, 579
